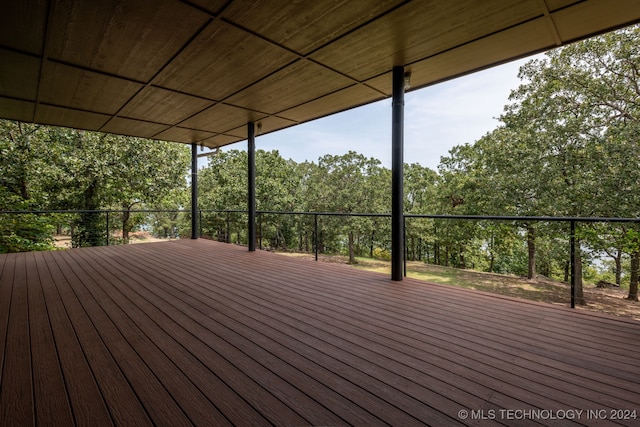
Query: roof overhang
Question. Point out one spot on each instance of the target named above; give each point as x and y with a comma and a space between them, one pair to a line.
197, 71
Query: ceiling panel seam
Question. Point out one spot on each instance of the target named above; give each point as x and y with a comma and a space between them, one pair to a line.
301, 56
207, 11
43, 57
552, 26
160, 69
359, 27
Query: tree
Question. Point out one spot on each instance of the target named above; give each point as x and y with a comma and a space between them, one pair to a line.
59, 168
420, 196
350, 183
582, 102
145, 173
21, 151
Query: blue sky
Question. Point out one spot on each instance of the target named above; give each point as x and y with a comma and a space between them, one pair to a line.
437, 118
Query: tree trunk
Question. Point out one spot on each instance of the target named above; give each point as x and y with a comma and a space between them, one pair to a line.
531, 246
578, 274
618, 260
126, 214
492, 256
633, 284
373, 235
352, 256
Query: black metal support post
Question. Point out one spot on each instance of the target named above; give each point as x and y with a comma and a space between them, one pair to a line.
251, 151
194, 191
107, 228
572, 243
397, 185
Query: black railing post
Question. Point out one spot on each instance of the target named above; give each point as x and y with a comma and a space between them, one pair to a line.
572, 243
260, 230
315, 220
228, 228
107, 228
200, 223
404, 240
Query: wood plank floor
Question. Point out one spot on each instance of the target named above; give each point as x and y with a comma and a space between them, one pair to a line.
204, 333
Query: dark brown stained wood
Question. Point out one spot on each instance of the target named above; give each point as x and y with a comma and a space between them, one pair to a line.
20, 110
481, 381
200, 332
22, 23
200, 376
6, 287
83, 354
16, 395
18, 81
49, 391
161, 406
250, 346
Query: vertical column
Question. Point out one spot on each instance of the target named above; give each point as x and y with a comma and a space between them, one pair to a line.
397, 184
194, 191
251, 157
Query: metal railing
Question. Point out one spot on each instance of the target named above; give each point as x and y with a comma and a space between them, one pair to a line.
99, 227
210, 219
570, 221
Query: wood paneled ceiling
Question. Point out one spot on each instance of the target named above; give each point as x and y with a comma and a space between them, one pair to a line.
199, 70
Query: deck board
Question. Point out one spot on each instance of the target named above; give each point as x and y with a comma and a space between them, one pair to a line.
85, 356
16, 395
49, 391
204, 333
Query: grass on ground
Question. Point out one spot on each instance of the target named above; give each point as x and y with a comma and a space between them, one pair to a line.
542, 289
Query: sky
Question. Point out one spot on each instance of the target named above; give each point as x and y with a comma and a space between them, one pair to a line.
437, 118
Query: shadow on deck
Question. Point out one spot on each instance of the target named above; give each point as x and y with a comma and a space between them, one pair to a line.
199, 332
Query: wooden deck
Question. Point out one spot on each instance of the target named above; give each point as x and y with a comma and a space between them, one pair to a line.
204, 333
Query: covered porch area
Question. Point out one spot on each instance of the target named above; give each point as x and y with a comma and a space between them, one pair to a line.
195, 332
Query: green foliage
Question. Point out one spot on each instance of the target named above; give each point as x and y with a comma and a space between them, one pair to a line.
383, 254
567, 146
56, 168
